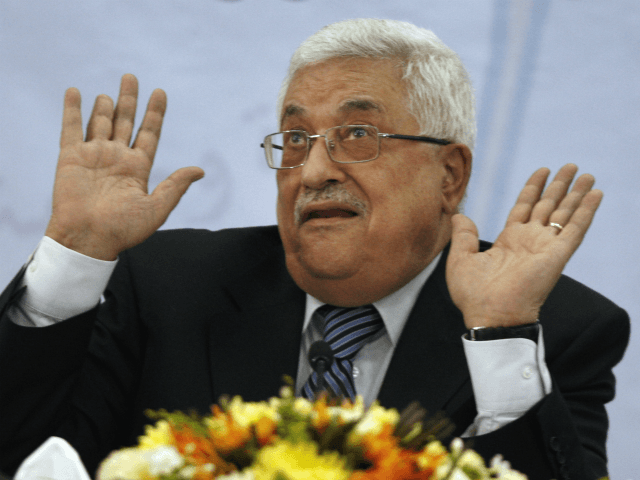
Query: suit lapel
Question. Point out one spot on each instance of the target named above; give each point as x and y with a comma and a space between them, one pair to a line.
428, 364
264, 316
259, 340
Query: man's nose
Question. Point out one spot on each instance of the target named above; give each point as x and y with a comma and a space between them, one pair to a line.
319, 169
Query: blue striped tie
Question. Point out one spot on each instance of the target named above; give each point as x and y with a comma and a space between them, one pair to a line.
346, 330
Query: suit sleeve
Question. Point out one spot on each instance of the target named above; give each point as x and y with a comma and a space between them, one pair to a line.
71, 379
564, 435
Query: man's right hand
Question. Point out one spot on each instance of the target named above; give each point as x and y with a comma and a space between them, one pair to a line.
101, 205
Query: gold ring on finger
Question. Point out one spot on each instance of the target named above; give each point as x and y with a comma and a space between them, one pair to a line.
556, 225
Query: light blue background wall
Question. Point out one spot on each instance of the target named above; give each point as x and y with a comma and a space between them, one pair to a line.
556, 82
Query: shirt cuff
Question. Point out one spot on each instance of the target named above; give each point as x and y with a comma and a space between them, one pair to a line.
62, 283
509, 376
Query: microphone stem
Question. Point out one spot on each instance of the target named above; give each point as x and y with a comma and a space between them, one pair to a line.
321, 368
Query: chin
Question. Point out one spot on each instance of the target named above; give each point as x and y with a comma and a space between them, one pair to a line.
331, 282
328, 263
316, 270
334, 252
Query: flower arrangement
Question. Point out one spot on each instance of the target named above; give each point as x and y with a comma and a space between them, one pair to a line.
290, 438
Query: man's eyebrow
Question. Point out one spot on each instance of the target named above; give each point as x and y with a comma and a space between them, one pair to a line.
346, 107
291, 111
359, 104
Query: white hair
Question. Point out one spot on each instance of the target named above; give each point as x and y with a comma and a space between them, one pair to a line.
440, 92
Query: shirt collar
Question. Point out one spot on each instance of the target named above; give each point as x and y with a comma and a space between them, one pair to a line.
394, 308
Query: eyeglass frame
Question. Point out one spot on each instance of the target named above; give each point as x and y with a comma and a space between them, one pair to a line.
326, 140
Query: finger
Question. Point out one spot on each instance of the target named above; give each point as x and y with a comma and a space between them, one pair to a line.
571, 202
101, 120
554, 194
529, 196
464, 237
125, 112
71, 119
169, 192
149, 133
575, 230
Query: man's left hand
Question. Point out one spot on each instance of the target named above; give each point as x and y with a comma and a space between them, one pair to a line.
507, 284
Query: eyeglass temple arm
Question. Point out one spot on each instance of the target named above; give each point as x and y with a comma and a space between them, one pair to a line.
413, 137
277, 147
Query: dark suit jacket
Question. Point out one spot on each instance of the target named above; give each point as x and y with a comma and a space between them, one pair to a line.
191, 315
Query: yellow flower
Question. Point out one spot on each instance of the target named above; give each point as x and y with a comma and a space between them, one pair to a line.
156, 436
299, 461
302, 406
473, 463
245, 414
433, 456
375, 418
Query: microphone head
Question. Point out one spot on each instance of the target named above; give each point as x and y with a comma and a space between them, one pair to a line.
320, 351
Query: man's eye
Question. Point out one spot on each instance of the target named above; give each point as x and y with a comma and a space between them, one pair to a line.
355, 133
296, 138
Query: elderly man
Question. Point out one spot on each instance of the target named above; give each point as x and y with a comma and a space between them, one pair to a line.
373, 158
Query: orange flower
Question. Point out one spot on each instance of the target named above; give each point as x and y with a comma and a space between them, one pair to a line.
390, 461
430, 459
380, 445
197, 450
231, 436
322, 417
265, 431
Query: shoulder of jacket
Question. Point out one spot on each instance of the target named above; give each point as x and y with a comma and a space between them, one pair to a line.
206, 247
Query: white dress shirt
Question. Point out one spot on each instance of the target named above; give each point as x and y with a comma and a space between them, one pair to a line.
508, 376
372, 361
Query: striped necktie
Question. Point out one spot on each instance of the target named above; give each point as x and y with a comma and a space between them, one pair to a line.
346, 330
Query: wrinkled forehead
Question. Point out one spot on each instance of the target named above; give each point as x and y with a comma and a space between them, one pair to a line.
347, 106
343, 86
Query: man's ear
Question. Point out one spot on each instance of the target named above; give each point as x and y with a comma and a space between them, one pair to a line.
456, 160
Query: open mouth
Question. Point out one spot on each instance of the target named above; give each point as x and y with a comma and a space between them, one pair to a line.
329, 213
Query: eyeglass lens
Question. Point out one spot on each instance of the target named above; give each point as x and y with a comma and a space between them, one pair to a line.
348, 143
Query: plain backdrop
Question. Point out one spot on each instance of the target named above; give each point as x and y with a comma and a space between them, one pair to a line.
556, 81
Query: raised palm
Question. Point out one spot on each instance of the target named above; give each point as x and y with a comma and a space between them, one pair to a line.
507, 284
101, 204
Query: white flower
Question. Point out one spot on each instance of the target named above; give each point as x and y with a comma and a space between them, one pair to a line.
246, 475
188, 472
502, 469
349, 414
286, 392
456, 447
458, 474
472, 462
164, 460
303, 406
128, 463
134, 464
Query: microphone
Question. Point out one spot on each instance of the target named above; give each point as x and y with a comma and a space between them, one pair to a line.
320, 358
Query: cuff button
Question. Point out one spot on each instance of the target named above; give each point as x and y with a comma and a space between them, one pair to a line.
527, 372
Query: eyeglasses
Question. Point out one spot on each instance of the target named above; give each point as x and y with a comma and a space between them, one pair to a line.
345, 144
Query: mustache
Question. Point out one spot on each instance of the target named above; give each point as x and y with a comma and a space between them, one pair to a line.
333, 192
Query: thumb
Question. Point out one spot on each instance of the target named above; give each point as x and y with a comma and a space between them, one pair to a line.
464, 237
169, 192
